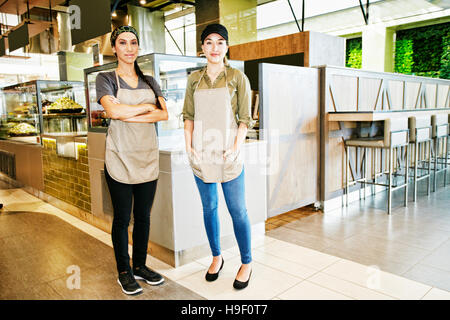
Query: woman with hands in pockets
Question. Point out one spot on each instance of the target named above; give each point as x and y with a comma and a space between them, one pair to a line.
216, 117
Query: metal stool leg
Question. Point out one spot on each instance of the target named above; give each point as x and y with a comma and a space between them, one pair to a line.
406, 173
390, 181
415, 172
436, 152
429, 168
375, 171
365, 172
346, 174
445, 156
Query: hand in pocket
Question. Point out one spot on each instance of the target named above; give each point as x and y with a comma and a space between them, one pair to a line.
230, 155
193, 156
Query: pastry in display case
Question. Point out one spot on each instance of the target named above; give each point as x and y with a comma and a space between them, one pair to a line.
42, 107
22, 129
170, 71
20, 113
64, 105
63, 108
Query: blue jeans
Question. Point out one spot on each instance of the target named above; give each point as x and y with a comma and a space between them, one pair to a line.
234, 193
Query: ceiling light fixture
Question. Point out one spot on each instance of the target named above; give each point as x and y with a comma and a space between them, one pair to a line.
114, 14
142, 2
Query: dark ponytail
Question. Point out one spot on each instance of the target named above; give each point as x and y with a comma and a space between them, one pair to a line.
141, 75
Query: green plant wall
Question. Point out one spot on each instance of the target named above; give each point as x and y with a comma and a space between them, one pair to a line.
353, 56
424, 51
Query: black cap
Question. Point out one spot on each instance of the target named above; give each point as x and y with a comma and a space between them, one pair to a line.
214, 28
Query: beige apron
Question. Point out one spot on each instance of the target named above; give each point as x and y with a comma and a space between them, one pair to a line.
215, 131
132, 153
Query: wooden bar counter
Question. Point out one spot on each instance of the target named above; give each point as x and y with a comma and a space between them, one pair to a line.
380, 115
355, 103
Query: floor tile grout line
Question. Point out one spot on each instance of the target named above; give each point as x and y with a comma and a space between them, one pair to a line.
306, 280
398, 242
437, 248
358, 262
309, 267
180, 278
379, 291
425, 264
288, 273
411, 267
188, 288
307, 233
367, 256
332, 290
301, 264
410, 245
353, 283
434, 267
296, 284
426, 293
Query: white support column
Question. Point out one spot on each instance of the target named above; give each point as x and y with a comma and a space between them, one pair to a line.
378, 48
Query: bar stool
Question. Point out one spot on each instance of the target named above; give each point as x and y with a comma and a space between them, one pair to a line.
439, 122
396, 135
420, 134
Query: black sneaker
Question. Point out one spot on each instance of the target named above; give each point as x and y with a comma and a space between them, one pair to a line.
149, 276
129, 284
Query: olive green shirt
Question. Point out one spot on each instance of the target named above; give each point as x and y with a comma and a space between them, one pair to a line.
238, 85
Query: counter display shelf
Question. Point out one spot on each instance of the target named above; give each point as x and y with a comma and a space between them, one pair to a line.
32, 109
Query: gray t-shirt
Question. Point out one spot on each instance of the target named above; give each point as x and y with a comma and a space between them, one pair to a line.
106, 85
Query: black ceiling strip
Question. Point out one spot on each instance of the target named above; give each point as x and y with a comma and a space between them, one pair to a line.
28, 9
50, 8
367, 10
365, 15
295, 18
303, 15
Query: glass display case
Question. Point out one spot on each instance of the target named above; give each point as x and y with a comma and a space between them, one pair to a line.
170, 71
42, 107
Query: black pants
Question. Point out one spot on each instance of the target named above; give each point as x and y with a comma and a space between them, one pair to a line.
122, 196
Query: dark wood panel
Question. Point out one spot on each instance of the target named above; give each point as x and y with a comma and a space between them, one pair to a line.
280, 46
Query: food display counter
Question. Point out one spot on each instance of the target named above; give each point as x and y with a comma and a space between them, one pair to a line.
32, 112
32, 109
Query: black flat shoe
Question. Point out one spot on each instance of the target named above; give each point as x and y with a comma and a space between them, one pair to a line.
241, 285
214, 276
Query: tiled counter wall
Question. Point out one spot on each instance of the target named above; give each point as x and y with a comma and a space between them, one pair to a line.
67, 179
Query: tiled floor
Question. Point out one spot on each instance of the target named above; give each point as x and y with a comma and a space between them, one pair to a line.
359, 253
412, 242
